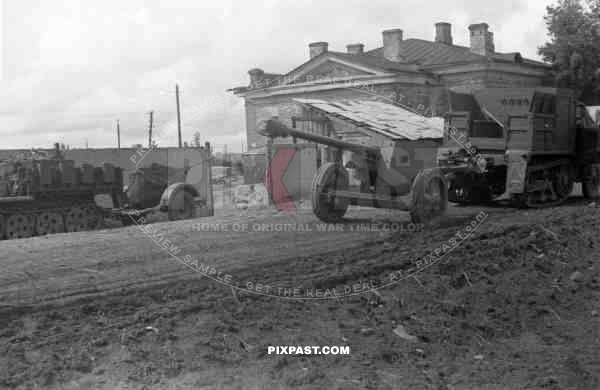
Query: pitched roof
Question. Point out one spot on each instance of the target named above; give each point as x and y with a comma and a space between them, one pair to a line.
427, 53
432, 53
418, 55
372, 61
386, 119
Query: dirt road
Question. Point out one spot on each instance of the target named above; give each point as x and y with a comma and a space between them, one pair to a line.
67, 266
513, 306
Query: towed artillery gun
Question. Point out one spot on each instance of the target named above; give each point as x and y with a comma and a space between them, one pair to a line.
526, 145
158, 188
363, 175
42, 194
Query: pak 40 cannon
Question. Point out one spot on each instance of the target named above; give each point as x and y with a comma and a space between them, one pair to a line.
366, 176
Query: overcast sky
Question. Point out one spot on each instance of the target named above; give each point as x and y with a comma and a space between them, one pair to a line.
69, 70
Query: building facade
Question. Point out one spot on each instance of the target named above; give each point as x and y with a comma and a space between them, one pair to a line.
411, 73
379, 97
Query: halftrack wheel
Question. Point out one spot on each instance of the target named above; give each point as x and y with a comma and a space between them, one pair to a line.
19, 225
429, 197
83, 218
75, 219
326, 206
49, 222
94, 217
546, 187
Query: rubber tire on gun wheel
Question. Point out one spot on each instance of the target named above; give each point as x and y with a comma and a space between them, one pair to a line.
177, 210
328, 176
421, 208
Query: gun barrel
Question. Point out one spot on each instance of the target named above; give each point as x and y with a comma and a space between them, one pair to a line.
274, 128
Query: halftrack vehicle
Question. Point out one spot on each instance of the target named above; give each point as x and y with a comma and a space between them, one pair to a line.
527, 145
44, 193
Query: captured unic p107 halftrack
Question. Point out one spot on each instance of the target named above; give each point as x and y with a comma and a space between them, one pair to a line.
528, 145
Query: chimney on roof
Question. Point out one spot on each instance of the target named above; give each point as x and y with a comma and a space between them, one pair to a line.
443, 33
256, 75
482, 40
391, 44
355, 48
317, 48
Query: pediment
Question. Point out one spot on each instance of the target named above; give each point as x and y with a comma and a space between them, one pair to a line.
335, 69
330, 67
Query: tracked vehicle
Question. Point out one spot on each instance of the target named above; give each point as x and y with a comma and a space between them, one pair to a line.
44, 193
41, 195
527, 145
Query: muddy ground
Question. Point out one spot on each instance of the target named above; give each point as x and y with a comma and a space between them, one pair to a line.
514, 306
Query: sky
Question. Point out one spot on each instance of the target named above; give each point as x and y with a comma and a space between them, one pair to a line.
70, 68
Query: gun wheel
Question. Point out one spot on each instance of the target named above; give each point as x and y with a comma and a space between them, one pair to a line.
591, 187
181, 206
429, 197
326, 206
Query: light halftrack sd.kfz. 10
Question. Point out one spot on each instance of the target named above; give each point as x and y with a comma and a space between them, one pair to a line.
527, 145
44, 193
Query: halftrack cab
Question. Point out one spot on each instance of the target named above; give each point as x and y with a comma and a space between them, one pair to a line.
525, 144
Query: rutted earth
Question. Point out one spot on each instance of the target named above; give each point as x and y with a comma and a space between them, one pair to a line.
515, 305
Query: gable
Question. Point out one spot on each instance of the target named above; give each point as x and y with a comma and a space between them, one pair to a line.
335, 69
329, 65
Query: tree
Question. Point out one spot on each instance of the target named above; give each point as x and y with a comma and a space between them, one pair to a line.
197, 139
574, 46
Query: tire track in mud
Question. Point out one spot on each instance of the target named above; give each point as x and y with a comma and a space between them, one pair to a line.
64, 267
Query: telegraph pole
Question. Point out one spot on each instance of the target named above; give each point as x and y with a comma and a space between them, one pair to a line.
151, 113
178, 114
118, 135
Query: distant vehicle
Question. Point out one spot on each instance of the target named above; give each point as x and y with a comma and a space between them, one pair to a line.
220, 174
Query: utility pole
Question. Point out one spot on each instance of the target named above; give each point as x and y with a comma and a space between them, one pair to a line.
118, 135
151, 113
178, 114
